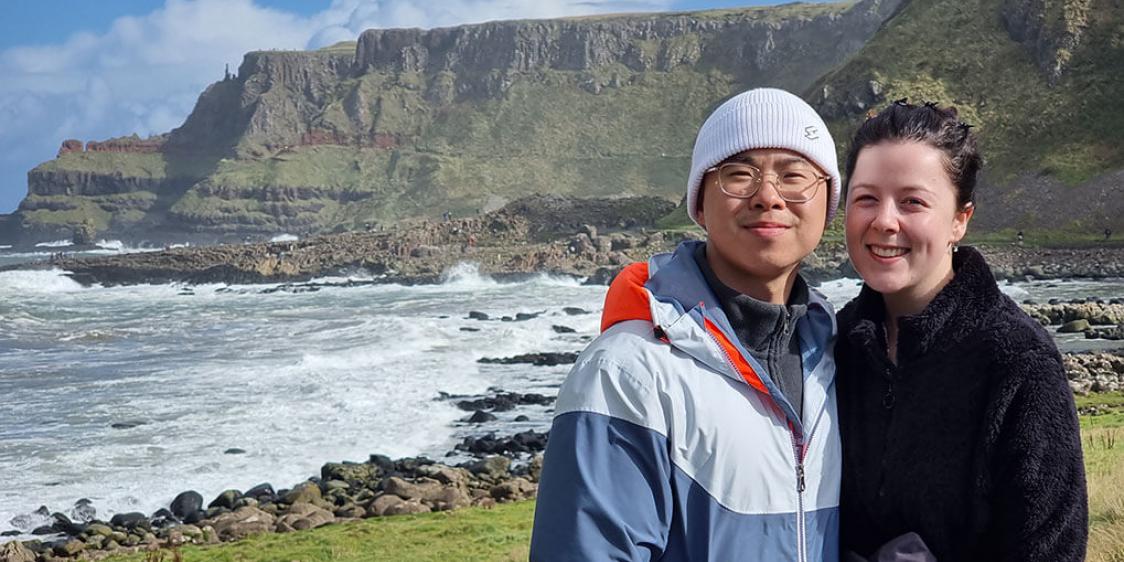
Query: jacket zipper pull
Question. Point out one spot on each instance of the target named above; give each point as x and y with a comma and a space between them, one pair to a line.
800, 477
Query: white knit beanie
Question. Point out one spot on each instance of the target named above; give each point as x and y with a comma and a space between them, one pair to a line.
762, 118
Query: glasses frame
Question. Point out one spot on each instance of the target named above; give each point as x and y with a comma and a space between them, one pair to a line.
815, 185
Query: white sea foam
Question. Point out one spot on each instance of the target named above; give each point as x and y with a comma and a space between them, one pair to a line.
37, 282
294, 379
5, 247
285, 238
840, 291
54, 244
466, 275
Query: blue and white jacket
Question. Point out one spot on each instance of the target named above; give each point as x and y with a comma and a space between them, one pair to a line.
671, 442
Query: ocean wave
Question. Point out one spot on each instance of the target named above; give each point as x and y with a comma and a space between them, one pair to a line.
54, 244
37, 282
285, 238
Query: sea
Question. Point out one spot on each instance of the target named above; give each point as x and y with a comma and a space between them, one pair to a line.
127, 396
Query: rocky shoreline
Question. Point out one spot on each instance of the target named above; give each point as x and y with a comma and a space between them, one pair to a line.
515, 241
501, 469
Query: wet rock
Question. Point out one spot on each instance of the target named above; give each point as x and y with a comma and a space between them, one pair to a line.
545, 359
522, 418
261, 491
234, 451
603, 276
130, 521
1074, 326
575, 311
505, 401
467, 329
226, 499
1114, 333
477, 315
31, 520
480, 416
128, 424
83, 511
526, 442
562, 329
186, 503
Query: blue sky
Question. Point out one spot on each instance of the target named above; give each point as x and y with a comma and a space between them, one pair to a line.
95, 69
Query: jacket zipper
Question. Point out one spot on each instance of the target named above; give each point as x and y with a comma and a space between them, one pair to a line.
801, 535
798, 452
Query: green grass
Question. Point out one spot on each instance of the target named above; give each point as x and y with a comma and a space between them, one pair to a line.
499, 534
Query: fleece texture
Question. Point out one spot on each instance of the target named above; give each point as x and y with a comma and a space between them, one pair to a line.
971, 440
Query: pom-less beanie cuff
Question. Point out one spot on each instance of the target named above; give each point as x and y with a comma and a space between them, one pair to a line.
763, 118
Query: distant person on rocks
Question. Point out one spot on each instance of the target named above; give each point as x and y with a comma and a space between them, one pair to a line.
1107, 233
701, 424
960, 436
1020, 237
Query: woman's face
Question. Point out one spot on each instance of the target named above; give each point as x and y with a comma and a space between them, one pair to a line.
903, 219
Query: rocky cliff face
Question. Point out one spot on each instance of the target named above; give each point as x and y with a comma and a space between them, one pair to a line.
412, 122
1052, 31
1040, 81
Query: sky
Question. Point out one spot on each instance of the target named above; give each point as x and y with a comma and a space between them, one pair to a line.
92, 70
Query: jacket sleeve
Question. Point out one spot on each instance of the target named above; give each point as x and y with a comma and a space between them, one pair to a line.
605, 489
1042, 507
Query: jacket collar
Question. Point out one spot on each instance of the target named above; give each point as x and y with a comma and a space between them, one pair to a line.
671, 292
952, 315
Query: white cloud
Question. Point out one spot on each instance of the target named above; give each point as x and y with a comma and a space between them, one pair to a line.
144, 74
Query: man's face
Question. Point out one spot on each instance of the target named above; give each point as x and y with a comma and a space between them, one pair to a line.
762, 238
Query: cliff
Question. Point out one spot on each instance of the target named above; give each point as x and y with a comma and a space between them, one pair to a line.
1040, 81
408, 122
411, 123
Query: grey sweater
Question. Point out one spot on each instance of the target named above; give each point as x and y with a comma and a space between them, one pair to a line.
766, 330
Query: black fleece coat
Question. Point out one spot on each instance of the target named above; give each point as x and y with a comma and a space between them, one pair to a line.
971, 440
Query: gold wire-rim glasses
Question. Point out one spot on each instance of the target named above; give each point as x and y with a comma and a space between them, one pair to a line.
790, 193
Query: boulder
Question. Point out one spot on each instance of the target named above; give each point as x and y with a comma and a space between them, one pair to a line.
514, 490
130, 520
382, 503
407, 508
70, 548
226, 499
186, 503
15, 551
1074, 326
480, 416
241, 523
348, 472
305, 492
261, 491
304, 516
420, 489
83, 511
493, 467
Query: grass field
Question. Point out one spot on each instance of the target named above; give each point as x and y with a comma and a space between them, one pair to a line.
503, 533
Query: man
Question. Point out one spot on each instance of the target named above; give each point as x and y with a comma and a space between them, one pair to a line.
701, 424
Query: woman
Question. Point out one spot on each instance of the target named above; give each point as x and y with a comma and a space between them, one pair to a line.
957, 422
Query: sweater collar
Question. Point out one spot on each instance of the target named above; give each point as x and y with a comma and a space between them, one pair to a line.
947, 320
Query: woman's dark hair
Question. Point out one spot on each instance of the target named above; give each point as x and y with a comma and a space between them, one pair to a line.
938, 127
